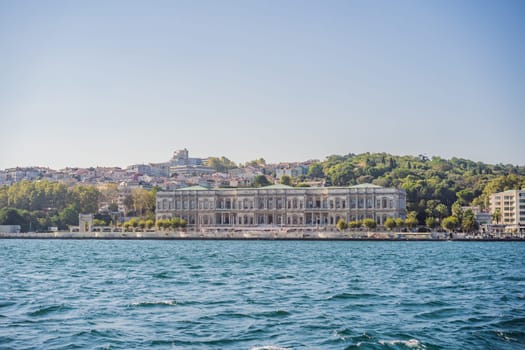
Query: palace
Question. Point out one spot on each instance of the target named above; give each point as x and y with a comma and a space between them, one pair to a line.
280, 205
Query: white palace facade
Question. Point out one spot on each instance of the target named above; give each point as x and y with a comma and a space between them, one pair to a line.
280, 205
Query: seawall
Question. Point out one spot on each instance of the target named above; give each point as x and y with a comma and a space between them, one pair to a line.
249, 235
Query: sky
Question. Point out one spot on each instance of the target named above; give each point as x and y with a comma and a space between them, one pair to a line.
114, 83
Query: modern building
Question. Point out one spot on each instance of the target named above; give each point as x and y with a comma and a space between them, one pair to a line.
280, 205
508, 208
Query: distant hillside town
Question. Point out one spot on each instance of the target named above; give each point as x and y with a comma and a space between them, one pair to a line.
178, 172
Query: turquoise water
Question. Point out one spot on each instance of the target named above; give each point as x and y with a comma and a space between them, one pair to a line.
69, 294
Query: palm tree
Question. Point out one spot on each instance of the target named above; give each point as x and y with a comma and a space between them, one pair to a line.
496, 216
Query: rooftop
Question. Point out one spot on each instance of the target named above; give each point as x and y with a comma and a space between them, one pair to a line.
367, 185
194, 188
277, 187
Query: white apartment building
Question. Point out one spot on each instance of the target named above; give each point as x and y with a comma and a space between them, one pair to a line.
511, 206
280, 205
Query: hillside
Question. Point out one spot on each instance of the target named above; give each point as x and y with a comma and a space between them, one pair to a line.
428, 182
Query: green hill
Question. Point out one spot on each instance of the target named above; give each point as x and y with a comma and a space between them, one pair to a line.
428, 182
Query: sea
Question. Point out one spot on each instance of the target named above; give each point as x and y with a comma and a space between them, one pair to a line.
261, 295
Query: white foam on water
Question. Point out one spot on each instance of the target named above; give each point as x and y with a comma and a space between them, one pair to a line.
411, 343
152, 303
268, 347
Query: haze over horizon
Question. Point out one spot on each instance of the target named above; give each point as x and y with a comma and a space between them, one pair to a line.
125, 82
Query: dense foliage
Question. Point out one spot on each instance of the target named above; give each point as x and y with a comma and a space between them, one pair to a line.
221, 164
38, 205
432, 185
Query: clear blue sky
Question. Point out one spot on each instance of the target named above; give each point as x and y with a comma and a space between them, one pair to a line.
87, 83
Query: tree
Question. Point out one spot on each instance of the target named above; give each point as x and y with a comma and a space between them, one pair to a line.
465, 196
411, 220
315, 170
98, 222
4, 202
457, 210
369, 223
163, 224
286, 180
150, 223
400, 222
355, 224
341, 225
261, 181
134, 222
390, 223
11, 216
441, 210
468, 222
221, 165
128, 203
86, 198
431, 222
257, 163
496, 216
69, 216
143, 202
175, 222
450, 223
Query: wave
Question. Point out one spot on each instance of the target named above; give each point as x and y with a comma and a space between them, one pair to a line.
160, 303
411, 343
162, 275
99, 333
268, 347
511, 337
6, 303
515, 322
275, 313
48, 309
350, 296
438, 314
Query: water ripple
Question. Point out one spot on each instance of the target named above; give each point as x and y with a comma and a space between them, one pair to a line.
261, 295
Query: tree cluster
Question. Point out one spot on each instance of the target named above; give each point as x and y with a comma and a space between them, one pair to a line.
37, 205
173, 223
433, 185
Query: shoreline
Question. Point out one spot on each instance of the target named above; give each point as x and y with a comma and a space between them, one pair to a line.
252, 236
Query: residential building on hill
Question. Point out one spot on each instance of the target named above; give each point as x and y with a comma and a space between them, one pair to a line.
280, 205
182, 164
291, 170
508, 208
